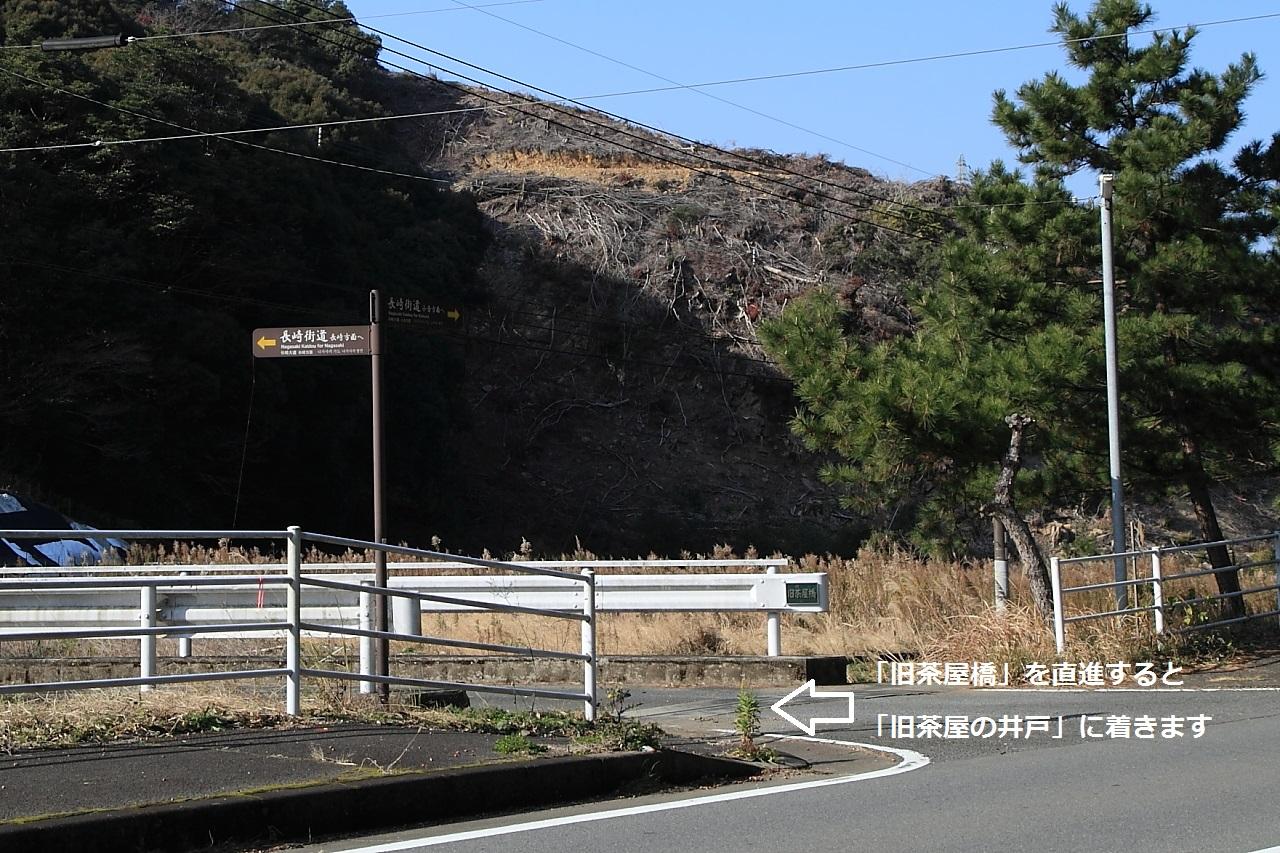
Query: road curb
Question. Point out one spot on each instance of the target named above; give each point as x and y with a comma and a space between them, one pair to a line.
365, 805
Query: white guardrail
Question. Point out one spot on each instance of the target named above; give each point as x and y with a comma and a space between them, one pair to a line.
1157, 580
339, 599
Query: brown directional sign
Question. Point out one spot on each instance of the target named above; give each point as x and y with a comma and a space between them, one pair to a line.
310, 341
417, 312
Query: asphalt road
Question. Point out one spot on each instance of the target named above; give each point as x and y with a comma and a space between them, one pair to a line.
1050, 791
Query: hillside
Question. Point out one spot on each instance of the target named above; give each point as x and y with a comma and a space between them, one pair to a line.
614, 363
606, 386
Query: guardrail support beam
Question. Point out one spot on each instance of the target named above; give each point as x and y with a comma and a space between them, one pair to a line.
773, 626
147, 642
1059, 626
589, 644
293, 641
1157, 590
367, 644
184, 642
1275, 556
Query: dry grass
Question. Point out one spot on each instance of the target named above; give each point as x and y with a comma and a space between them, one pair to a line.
124, 715
584, 166
887, 603
883, 603
104, 716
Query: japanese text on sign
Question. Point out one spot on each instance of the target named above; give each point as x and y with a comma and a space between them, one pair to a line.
1046, 726
295, 341
1061, 674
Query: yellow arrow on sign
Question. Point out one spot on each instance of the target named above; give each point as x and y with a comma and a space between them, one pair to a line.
264, 342
453, 314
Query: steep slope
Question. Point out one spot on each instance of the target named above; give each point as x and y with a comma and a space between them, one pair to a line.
619, 392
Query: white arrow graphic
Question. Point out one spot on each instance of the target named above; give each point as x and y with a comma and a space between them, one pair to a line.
812, 726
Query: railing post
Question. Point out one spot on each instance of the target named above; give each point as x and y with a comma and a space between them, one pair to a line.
366, 643
589, 643
293, 642
184, 642
1275, 556
773, 626
147, 642
1059, 625
1157, 590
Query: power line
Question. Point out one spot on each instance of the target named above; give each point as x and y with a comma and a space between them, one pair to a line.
584, 319
199, 133
167, 288
159, 286
852, 67
931, 58
596, 53
291, 25
629, 121
680, 332
103, 143
657, 336
666, 366
348, 19
616, 130
677, 333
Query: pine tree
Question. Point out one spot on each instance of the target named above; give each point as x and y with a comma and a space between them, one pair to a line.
1013, 322
1198, 372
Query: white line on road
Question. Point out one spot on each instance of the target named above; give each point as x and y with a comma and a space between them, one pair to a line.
911, 760
1051, 690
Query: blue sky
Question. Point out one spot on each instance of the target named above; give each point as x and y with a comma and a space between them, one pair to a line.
901, 121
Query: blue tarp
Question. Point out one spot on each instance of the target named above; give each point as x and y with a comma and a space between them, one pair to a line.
22, 514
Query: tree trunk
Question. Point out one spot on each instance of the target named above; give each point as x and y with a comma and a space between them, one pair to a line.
1198, 488
1002, 507
1197, 481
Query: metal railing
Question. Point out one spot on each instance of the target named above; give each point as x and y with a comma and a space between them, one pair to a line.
253, 600
1157, 580
587, 617
649, 592
293, 626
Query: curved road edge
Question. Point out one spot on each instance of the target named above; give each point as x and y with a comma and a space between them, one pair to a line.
908, 760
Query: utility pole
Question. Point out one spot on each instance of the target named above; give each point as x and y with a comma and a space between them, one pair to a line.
85, 43
1001, 555
382, 655
1106, 183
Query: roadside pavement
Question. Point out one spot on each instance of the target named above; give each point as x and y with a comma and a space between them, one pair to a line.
255, 786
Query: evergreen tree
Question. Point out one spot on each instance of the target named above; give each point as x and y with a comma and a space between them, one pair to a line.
1013, 323
133, 275
1199, 360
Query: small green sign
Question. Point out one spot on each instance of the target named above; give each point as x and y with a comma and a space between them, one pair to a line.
802, 593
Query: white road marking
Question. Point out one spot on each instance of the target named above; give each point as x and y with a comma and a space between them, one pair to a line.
1115, 690
911, 760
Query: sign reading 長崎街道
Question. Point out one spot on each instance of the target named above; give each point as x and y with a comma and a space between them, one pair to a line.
311, 341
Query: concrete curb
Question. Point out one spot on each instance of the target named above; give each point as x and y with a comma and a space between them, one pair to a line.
365, 805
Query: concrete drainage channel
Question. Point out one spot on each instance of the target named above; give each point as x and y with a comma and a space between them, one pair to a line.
344, 807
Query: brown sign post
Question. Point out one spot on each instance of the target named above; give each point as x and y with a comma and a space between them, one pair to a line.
312, 341
323, 341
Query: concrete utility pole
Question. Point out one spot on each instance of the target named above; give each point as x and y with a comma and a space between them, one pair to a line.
1001, 554
1106, 183
84, 43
